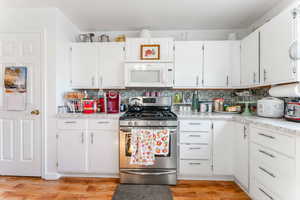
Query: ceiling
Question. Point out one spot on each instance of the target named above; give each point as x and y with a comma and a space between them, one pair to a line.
93, 15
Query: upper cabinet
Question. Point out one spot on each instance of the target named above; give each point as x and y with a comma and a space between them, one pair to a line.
188, 64
111, 65
276, 36
98, 65
250, 60
221, 59
84, 61
134, 47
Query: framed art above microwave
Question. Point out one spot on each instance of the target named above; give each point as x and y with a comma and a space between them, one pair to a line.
150, 52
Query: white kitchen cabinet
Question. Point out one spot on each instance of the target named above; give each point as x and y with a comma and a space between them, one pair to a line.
221, 58
188, 64
241, 154
250, 60
71, 154
195, 149
133, 48
103, 152
84, 60
111, 65
276, 36
222, 148
88, 146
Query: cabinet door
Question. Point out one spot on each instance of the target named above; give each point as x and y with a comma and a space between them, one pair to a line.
103, 152
219, 57
241, 154
250, 60
84, 66
222, 148
188, 64
71, 150
235, 71
276, 37
111, 65
133, 48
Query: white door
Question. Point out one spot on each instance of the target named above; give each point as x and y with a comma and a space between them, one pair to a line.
84, 58
111, 65
20, 131
188, 64
241, 154
222, 148
250, 60
71, 151
219, 57
276, 37
103, 152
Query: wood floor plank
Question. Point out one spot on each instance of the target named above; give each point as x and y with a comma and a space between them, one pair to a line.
27, 188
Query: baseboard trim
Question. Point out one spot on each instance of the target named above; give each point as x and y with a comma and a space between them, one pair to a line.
51, 176
206, 178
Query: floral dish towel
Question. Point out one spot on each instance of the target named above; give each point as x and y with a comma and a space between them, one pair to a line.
142, 147
162, 140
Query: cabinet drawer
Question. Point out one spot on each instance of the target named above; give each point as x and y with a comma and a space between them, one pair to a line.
276, 141
279, 163
260, 192
194, 137
281, 184
71, 124
194, 125
195, 167
103, 124
194, 151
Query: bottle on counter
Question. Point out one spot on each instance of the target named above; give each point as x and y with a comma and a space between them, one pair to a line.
195, 102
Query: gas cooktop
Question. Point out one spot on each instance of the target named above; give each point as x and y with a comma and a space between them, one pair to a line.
149, 115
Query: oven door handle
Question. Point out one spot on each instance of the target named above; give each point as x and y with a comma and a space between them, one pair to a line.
148, 173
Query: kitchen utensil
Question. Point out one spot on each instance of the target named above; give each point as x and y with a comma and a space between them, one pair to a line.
103, 38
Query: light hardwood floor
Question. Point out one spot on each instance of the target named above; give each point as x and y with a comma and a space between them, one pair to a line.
20, 188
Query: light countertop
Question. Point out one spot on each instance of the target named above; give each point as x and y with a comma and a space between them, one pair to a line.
88, 116
269, 123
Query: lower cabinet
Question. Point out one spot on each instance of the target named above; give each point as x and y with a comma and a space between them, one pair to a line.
71, 154
223, 147
241, 154
206, 148
273, 165
103, 152
93, 151
195, 149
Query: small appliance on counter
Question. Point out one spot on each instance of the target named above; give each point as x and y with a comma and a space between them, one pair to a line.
113, 102
270, 107
292, 111
89, 106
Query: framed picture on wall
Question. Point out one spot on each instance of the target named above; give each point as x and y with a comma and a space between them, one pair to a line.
150, 52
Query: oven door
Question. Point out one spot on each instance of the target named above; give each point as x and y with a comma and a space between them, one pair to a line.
148, 75
161, 162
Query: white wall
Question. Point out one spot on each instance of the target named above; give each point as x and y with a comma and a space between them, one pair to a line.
181, 34
273, 12
65, 33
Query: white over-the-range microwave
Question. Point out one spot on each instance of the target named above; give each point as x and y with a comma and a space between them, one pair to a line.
149, 74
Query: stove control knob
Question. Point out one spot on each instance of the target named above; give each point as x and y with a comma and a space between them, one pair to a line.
135, 123
129, 123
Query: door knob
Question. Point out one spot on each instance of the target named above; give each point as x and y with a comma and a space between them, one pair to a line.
35, 112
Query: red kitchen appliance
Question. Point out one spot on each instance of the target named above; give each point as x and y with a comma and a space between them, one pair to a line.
113, 102
88, 106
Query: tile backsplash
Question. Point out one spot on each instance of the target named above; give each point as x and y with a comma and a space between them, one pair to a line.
203, 95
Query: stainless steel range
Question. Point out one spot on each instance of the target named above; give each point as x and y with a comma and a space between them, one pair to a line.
149, 113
